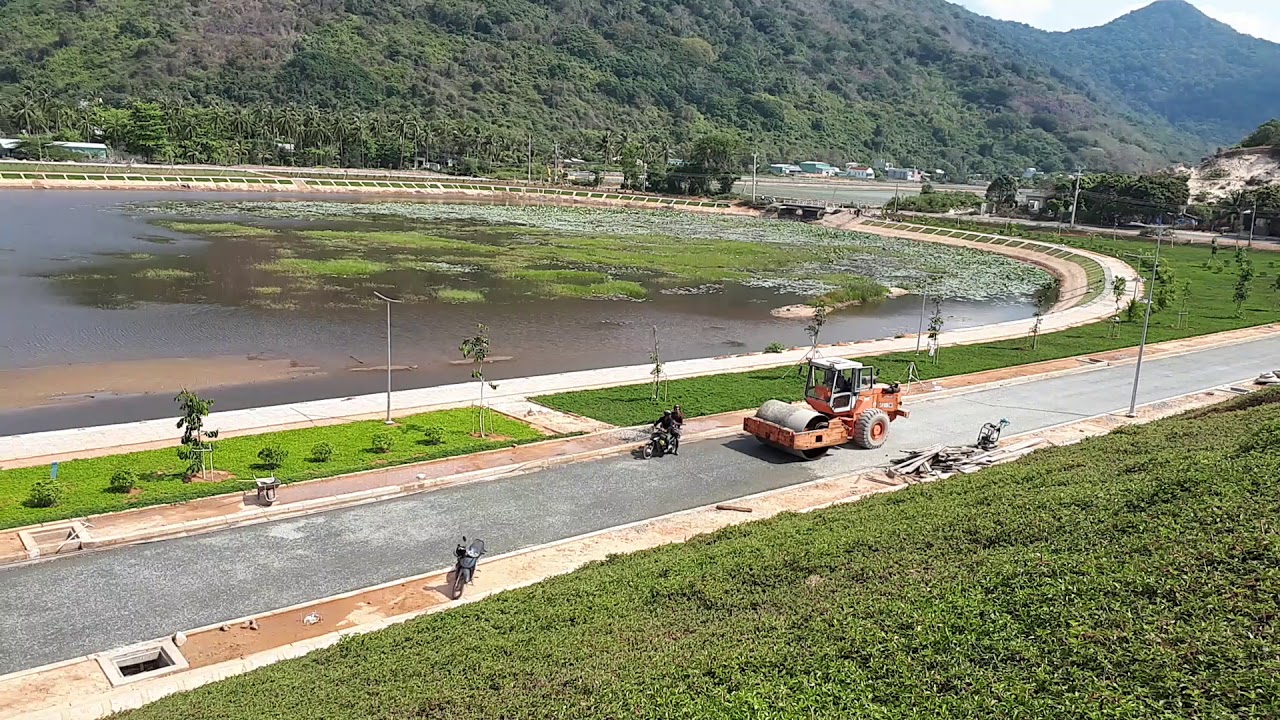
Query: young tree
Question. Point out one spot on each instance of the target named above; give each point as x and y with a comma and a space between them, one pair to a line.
1035, 330
656, 358
1118, 288
195, 439
1184, 298
814, 328
1244, 286
936, 321
476, 349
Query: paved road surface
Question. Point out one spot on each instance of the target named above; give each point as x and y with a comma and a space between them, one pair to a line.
78, 605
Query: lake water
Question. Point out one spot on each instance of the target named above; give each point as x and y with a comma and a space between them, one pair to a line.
83, 280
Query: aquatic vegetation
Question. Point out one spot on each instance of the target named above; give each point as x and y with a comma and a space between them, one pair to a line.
608, 290
709, 289
266, 290
458, 295
272, 304
219, 229
561, 276
851, 289
398, 240
658, 247
164, 274
337, 267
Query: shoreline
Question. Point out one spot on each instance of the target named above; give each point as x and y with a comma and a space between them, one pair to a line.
806, 311
57, 385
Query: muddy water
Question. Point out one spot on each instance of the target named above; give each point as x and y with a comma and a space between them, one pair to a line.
129, 306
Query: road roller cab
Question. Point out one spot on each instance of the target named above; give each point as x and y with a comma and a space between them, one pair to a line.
846, 404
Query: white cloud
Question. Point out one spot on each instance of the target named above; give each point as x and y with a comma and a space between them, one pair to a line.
1264, 24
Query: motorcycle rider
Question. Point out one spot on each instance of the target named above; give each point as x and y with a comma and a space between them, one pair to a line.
677, 418
668, 425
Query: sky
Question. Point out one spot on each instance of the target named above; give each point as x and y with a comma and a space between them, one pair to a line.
1260, 18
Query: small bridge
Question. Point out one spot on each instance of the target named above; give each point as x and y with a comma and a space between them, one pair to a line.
799, 209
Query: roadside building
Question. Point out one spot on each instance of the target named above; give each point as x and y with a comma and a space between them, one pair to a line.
90, 151
813, 167
784, 169
859, 172
904, 174
1035, 201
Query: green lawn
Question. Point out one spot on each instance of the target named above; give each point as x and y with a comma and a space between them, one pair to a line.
1130, 576
85, 482
1210, 309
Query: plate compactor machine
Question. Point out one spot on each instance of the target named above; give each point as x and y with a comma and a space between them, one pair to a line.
845, 405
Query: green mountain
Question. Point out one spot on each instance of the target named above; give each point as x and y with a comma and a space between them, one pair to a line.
378, 82
1171, 61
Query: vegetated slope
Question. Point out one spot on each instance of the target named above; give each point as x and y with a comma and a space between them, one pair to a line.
1174, 61
915, 82
1134, 575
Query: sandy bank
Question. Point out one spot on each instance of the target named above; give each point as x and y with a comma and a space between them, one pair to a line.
32, 387
805, 311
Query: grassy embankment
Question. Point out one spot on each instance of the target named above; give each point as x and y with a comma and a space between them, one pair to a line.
1131, 576
86, 488
1210, 309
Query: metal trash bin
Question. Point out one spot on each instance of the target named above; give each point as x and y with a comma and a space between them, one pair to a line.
267, 488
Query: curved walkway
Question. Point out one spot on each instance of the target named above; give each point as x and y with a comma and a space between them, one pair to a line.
110, 439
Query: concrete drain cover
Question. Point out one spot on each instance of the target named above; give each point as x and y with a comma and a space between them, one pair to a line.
141, 662
53, 539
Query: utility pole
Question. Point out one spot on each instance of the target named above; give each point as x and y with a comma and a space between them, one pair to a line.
755, 163
1075, 202
1253, 221
389, 302
530, 158
1146, 324
924, 298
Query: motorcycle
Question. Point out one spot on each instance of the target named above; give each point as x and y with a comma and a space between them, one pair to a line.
659, 444
464, 568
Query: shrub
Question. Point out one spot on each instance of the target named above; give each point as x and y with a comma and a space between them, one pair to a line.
775, 347
432, 436
273, 456
122, 481
321, 452
383, 442
45, 494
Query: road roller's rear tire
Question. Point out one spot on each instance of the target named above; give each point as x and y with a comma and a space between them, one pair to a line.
871, 429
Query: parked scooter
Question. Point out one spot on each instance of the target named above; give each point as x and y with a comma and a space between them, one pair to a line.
464, 568
659, 444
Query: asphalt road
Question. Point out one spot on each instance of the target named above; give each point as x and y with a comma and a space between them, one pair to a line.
73, 606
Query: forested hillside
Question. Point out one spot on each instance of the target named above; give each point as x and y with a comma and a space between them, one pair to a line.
378, 82
1172, 61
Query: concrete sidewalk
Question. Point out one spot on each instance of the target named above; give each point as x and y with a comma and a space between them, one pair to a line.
112, 439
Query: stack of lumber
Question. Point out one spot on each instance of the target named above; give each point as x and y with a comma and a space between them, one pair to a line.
942, 461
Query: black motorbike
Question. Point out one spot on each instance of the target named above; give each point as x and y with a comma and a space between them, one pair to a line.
464, 569
659, 444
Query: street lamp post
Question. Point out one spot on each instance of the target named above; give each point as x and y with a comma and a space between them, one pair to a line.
1146, 323
1253, 221
389, 302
